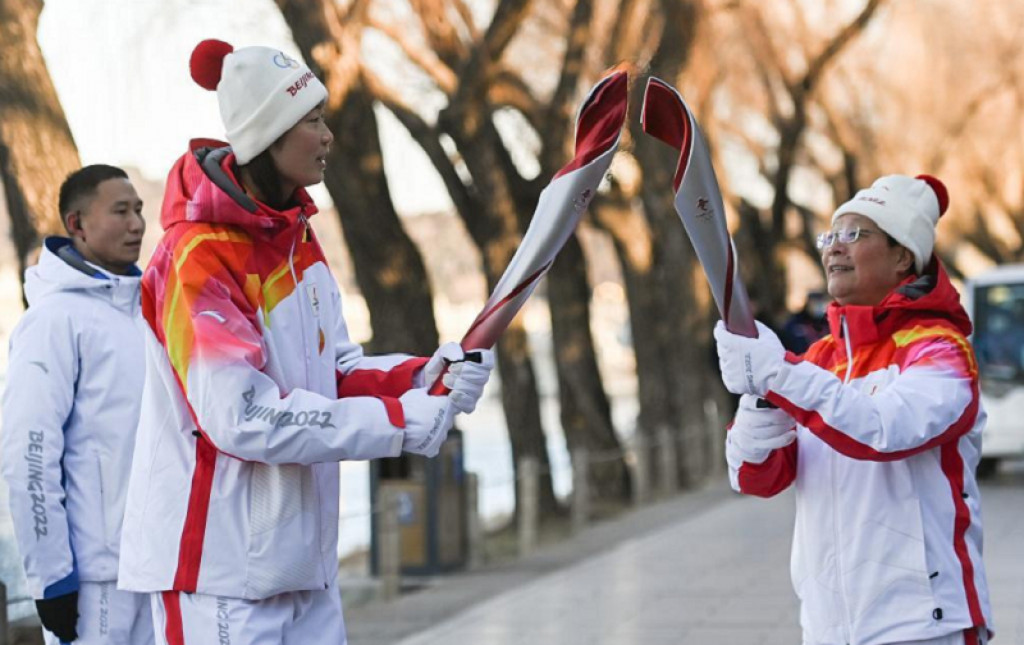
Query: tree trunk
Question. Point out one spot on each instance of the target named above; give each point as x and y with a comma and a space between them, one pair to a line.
683, 356
584, 407
388, 266
494, 227
486, 201
585, 410
37, 150
678, 330
389, 269
635, 247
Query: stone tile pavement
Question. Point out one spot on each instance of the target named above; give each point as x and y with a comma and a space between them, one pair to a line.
708, 568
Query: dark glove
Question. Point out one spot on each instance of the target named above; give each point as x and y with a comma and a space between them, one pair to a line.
60, 615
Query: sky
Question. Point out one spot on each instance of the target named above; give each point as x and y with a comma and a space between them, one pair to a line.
121, 71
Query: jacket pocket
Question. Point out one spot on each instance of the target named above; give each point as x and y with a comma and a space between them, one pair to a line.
284, 553
890, 585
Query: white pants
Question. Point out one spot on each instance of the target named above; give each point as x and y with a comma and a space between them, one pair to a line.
957, 638
286, 619
108, 616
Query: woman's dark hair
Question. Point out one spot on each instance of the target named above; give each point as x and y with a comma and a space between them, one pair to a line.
264, 174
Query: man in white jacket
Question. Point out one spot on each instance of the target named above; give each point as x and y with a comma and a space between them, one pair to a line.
70, 411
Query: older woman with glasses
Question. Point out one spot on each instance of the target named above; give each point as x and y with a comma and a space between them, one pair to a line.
878, 428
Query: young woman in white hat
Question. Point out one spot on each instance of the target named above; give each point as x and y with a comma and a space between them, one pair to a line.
254, 390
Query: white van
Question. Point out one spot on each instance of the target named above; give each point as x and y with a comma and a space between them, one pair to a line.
995, 302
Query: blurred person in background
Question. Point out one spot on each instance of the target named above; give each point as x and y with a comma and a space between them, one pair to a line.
807, 325
254, 390
878, 427
70, 411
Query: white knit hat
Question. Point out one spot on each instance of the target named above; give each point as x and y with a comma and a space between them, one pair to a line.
907, 208
262, 92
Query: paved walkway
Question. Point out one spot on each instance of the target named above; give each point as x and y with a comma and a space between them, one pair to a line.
716, 572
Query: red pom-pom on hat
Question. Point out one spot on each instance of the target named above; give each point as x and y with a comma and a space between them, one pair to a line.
207, 61
940, 191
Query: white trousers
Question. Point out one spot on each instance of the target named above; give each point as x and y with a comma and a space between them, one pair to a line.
956, 638
286, 619
109, 616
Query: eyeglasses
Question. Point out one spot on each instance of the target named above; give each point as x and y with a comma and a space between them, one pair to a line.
843, 236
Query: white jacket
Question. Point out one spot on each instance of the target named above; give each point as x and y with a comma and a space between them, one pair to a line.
70, 411
234, 490
887, 546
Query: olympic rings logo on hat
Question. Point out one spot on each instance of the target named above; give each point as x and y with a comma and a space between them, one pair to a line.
283, 61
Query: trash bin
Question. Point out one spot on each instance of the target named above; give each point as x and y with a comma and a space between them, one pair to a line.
432, 508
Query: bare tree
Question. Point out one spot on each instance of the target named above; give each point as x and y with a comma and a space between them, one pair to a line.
789, 60
878, 114
36, 148
388, 266
668, 318
494, 196
584, 407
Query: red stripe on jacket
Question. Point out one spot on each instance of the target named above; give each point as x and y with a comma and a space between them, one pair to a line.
190, 549
953, 468
847, 445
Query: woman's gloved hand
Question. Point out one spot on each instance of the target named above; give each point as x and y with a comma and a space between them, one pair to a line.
756, 432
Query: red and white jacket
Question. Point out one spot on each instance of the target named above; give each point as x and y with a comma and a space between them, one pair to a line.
253, 393
888, 537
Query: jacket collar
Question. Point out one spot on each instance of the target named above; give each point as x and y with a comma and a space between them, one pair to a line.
62, 268
203, 187
927, 296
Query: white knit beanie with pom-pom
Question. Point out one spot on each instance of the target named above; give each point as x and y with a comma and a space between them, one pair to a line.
907, 208
262, 92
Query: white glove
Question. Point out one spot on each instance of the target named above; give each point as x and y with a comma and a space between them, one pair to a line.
466, 379
427, 422
445, 354
748, 364
756, 432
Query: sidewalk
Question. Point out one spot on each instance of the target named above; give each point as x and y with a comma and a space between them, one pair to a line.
707, 567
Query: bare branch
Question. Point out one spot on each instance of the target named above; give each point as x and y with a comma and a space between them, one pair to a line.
507, 89
558, 121
981, 238
951, 267
626, 30
442, 34
467, 19
431, 65
951, 135
806, 238
833, 48
332, 39
792, 129
426, 135
763, 51
508, 16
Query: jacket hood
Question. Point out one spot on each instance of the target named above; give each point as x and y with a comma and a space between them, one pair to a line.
927, 296
202, 187
62, 268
